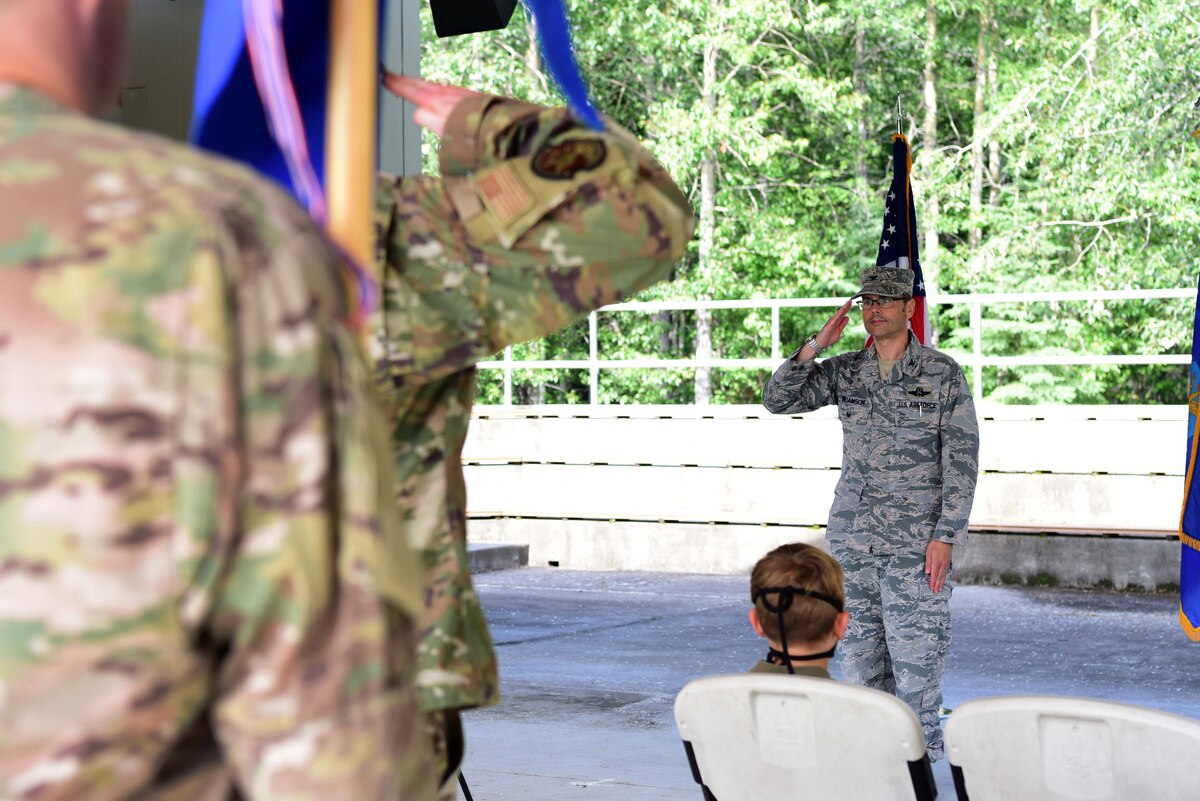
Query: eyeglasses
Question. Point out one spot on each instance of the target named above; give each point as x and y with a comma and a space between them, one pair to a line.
883, 303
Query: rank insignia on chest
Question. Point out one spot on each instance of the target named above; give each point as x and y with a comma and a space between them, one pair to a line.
563, 160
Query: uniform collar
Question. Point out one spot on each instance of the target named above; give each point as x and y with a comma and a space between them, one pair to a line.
20, 99
911, 360
908, 363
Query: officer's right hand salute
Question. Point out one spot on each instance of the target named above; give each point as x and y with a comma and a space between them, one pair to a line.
434, 101
828, 336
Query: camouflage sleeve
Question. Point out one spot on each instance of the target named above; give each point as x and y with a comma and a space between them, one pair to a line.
960, 460
534, 223
799, 387
313, 605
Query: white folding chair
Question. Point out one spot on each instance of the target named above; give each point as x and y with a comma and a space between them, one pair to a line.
754, 736
1050, 748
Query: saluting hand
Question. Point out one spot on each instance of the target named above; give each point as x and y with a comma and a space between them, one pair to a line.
434, 101
831, 332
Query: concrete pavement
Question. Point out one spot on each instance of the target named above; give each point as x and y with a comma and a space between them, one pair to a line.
591, 662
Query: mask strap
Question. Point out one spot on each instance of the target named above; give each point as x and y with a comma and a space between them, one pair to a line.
786, 596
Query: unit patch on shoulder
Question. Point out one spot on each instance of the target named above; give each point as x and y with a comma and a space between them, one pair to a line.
504, 193
561, 161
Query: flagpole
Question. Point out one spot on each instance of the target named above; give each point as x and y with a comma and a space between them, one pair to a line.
350, 125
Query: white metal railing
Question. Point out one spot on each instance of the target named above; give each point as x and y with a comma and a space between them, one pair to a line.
976, 361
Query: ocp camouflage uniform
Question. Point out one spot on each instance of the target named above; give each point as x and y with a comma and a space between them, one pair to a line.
533, 223
910, 446
203, 584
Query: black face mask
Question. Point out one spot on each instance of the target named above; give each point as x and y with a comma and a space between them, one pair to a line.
782, 604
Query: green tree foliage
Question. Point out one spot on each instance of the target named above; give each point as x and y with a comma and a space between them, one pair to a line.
1065, 158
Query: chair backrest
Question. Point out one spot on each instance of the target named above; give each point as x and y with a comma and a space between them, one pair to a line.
755, 736
1050, 748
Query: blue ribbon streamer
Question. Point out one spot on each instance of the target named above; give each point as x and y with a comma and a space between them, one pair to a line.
554, 36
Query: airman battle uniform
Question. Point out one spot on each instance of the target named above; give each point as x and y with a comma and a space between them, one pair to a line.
910, 446
533, 223
204, 588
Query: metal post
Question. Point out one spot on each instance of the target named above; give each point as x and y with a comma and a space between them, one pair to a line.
399, 137
508, 376
977, 350
593, 367
776, 351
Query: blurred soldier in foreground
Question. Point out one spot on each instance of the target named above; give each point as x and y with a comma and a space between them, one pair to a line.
534, 222
204, 590
910, 450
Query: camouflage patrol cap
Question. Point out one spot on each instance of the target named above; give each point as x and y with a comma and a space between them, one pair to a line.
887, 282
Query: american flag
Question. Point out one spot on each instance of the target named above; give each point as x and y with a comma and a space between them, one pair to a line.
898, 242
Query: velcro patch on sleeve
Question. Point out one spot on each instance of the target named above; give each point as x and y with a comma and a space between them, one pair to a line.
517, 195
504, 193
562, 160
463, 197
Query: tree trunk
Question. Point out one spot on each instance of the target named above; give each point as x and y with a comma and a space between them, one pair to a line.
708, 225
1091, 56
860, 88
929, 261
978, 155
1090, 53
994, 144
533, 57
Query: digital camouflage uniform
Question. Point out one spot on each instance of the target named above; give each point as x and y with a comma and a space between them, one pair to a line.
910, 446
202, 580
533, 223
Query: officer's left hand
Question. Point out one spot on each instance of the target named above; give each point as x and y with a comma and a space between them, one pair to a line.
937, 563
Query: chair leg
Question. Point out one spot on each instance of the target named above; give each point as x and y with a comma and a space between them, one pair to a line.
462, 782
960, 784
921, 773
695, 766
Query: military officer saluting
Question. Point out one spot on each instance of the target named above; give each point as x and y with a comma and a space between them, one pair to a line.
909, 464
534, 221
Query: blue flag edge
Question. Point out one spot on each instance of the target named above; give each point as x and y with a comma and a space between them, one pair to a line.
228, 115
1189, 517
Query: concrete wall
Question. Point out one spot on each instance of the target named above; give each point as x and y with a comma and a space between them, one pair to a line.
694, 489
1124, 563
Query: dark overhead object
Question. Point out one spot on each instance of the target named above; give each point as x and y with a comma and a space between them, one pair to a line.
456, 17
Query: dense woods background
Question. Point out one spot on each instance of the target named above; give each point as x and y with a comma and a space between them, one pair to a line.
1054, 144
